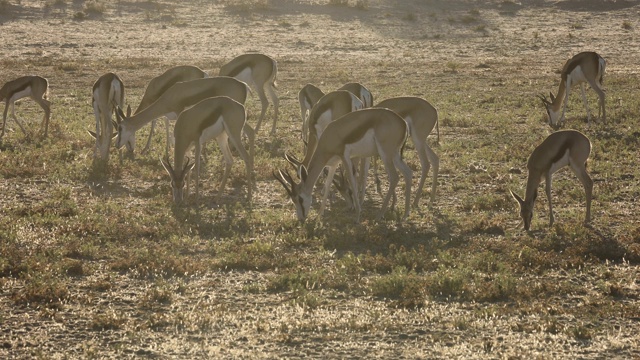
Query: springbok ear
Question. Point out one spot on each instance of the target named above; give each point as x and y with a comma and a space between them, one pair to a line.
517, 197
93, 134
553, 98
128, 110
303, 173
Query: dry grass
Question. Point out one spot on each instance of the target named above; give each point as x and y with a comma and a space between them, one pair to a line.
102, 253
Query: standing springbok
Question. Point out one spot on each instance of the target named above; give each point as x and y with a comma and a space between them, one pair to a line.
362, 133
360, 91
421, 117
107, 94
221, 118
308, 96
584, 67
173, 101
562, 148
259, 71
330, 107
36, 88
161, 83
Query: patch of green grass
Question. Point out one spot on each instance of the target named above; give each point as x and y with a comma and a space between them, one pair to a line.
406, 288
43, 289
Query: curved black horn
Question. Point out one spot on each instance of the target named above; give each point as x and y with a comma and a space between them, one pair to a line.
281, 178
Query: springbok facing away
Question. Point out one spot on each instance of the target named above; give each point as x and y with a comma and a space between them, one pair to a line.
360, 91
107, 95
161, 83
259, 71
35, 87
173, 101
358, 134
584, 67
221, 118
562, 148
421, 117
308, 96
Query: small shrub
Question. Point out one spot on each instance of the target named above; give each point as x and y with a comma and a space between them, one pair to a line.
108, 321
448, 283
626, 25
580, 332
403, 286
73, 267
362, 4
410, 17
44, 290
95, 7
79, 15
452, 66
160, 294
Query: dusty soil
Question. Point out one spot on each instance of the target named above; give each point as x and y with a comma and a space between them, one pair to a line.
221, 318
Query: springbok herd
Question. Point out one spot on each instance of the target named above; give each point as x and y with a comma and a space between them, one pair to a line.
340, 127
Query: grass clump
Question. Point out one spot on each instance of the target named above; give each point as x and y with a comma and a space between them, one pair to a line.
95, 8
405, 287
43, 289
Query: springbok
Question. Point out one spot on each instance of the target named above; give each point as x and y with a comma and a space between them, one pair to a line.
161, 83
584, 67
221, 118
107, 95
259, 71
35, 87
173, 101
562, 148
358, 134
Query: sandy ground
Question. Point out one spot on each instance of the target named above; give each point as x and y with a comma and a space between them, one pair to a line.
531, 37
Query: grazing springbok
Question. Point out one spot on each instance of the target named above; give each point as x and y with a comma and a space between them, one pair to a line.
360, 91
562, 148
36, 88
358, 134
259, 71
173, 101
308, 96
221, 118
107, 95
585, 67
421, 117
161, 83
